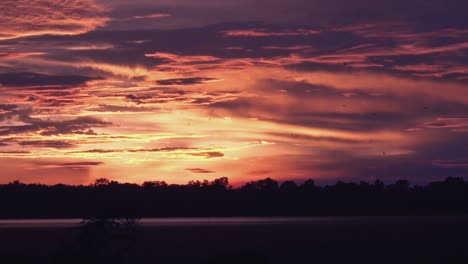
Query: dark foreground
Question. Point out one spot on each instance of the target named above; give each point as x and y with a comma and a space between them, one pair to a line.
264, 240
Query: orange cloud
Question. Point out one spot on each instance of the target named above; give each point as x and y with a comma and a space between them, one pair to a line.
22, 18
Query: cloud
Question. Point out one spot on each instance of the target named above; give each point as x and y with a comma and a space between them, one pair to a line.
14, 152
208, 155
152, 16
301, 138
166, 149
84, 163
22, 18
79, 125
362, 53
298, 12
7, 108
121, 109
186, 81
290, 48
16, 55
58, 144
184, 64
169, 151
199, 170
459, 163
378, 46
454, 123
80, 166
24, 79
307, 105
266, 33
99, 151
326, 92
168, 95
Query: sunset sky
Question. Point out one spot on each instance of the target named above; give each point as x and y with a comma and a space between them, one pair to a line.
179, 90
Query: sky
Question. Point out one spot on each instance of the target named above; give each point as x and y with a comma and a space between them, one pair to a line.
180, 90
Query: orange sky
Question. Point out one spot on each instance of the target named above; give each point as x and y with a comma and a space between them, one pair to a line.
92, 89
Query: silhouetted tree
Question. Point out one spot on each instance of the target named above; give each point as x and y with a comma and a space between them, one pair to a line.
101, 182
288, 186
266, 185
265, 197
400, 186
308, 184
154, 184
221, 184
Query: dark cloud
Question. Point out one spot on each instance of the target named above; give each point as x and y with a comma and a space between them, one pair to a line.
203, 100
199, 170
121, 108
317, 118
208, 155
84, 163
21, 79
346, 114
380, 46
452, 123
139, 99
169, 94
58, 144
185, 81
196, 152
311, 12
6, 108
131, 55
80, 125
100, 151
458, 163
15, 112
354, 121
130, 47
166, 149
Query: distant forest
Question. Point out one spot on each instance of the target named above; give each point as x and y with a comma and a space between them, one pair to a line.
217, 198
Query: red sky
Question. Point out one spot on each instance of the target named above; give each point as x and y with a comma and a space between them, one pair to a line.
181, 90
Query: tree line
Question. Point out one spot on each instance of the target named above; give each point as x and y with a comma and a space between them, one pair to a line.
267, 197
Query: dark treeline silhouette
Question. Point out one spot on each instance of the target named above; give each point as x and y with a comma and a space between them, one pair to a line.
217, 198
